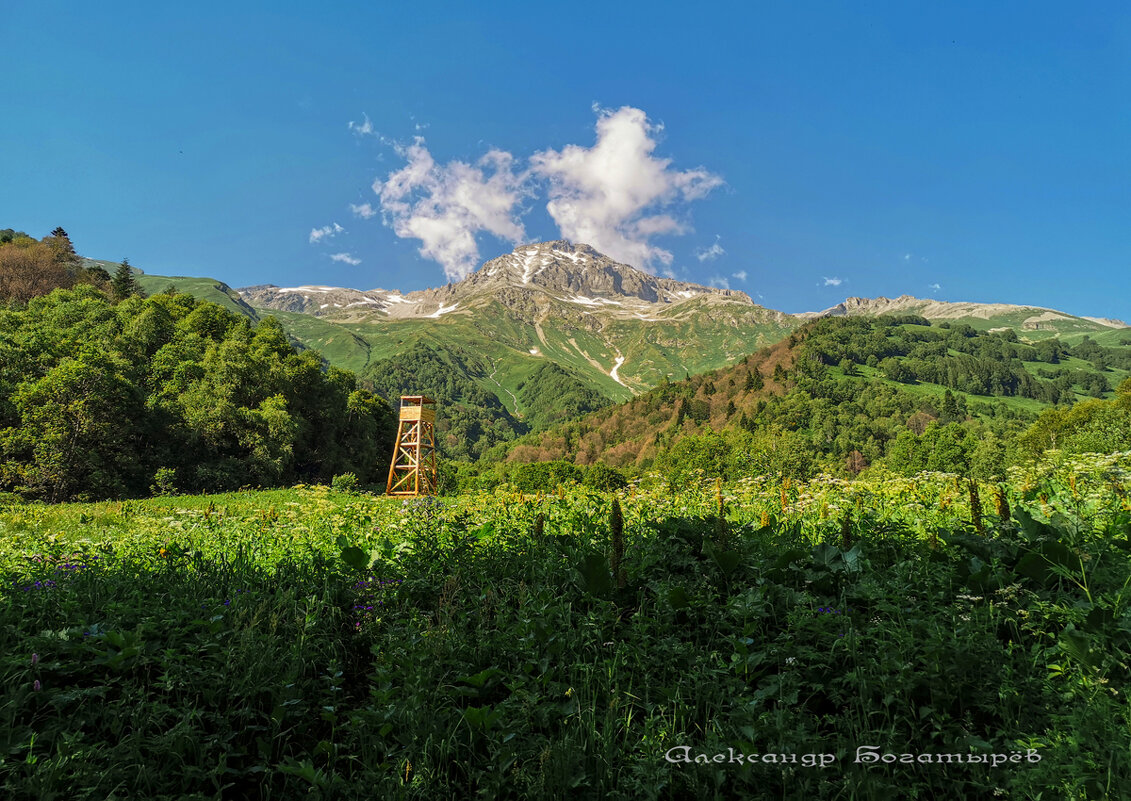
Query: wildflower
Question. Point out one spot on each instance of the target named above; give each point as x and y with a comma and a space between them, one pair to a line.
34, 659
37, 686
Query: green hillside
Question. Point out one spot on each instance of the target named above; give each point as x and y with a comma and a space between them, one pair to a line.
201, 288
693, 340
843, 393
208, 289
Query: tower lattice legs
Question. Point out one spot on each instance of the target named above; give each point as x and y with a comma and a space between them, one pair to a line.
413, 469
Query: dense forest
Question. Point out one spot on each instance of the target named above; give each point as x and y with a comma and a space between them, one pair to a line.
561, 395
115, 399
909, 350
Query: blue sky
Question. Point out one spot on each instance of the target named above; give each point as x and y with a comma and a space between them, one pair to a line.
801, 152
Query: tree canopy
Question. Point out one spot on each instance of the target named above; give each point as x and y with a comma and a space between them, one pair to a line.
95, 398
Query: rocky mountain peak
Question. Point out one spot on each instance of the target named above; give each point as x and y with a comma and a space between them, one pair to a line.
530, 275
576, 271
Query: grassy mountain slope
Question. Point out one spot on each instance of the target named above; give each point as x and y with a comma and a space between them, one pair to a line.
509, 349
208, 289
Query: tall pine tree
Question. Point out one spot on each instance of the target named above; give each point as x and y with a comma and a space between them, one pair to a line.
124, 284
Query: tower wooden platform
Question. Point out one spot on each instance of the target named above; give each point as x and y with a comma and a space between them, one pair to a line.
413, 469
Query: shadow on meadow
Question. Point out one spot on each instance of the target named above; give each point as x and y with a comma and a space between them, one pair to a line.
539, 657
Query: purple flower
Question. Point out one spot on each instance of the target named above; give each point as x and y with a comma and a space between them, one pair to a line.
37, 686
34, 659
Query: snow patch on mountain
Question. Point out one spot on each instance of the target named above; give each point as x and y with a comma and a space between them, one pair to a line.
444, 310
613, 373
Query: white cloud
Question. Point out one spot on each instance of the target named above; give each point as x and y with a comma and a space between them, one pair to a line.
935, 287
326, 231
907, 257
609, 195
711, 253
720, 282
445, 206
616, 196
740, 275
833, 281
364, 129
347, 258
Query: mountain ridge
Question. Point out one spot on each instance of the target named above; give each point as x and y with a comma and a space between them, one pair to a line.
573, 273
944, 310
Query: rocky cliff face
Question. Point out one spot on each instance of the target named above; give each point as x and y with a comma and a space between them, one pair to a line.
573, 271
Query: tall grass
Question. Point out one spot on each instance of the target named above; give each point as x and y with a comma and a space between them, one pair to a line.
308, 643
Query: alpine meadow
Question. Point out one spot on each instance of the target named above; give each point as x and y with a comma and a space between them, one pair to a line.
570, 507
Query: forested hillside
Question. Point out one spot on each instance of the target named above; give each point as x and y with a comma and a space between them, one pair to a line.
473, 419
910, 350
842, 394
105, 399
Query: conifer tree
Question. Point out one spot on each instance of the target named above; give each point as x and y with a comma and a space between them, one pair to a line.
124, 284
949, 407
60, 244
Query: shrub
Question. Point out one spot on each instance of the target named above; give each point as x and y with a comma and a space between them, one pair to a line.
601, 476
544, 476
164, 481
344, 482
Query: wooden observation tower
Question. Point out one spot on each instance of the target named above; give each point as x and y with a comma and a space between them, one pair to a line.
413, 470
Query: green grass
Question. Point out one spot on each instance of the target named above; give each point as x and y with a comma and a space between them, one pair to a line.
337, 344
321, 644
204, 288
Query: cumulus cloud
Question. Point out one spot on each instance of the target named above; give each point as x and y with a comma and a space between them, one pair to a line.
446, 205
615, 195
720, 282
711, 253
362, 129
934, 287
833, 281
325, 232
610, 195
740, 275
347, 258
